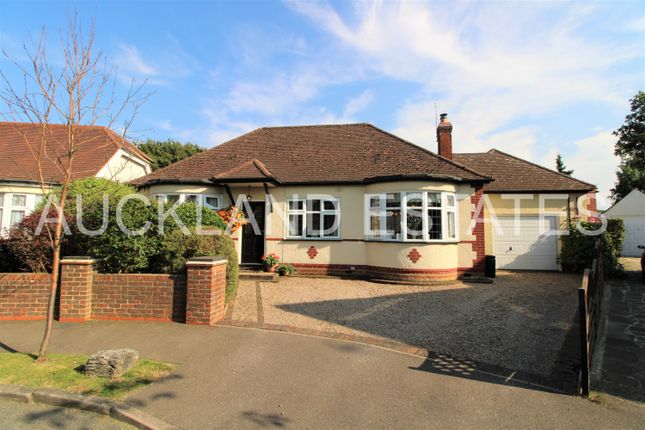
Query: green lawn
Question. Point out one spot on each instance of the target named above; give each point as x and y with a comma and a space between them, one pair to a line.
65, 372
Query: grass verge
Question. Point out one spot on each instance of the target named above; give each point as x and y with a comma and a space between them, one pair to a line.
66, 372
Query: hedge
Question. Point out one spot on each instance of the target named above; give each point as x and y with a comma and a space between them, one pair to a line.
177, 248
577, 248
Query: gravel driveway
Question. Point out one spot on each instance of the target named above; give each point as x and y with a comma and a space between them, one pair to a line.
519, 322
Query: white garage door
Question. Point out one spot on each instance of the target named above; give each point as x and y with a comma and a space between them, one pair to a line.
528, 248
634, 236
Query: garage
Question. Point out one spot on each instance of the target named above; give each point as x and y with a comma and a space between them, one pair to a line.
529, 247
631, 209
634, 235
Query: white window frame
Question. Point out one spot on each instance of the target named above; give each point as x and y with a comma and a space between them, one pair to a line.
201, 198
445, 210
305, 212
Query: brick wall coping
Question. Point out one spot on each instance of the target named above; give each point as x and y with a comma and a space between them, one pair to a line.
206, 261
77, 260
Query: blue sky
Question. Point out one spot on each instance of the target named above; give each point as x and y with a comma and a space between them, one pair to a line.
529, 78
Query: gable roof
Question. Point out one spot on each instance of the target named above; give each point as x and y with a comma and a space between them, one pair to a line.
18, 163
632, 204
513, 174
349, 153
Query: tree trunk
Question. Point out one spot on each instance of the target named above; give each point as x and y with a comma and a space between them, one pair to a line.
42, 352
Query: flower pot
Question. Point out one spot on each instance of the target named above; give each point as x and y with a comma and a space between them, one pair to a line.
269, 268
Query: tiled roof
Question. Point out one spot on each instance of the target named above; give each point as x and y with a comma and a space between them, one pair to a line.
351, 153
512, 174
20, 143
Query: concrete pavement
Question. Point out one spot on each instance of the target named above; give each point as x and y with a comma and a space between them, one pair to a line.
620, 369
246, 378
22, 416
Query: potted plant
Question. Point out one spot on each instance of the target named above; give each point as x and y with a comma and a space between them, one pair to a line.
285, 269
270, 261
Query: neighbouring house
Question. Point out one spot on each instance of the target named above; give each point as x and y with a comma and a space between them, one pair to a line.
631, 209
354, 199
102, 154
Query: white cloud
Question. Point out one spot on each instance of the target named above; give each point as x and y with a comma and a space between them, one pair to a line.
358, 103
594, 161
129, 59
497, 68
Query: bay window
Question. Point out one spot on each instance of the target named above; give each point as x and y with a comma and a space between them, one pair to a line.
313, 218
412, 216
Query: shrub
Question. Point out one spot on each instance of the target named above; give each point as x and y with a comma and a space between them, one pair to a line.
114, 250
25, 251
177, 248
578, 249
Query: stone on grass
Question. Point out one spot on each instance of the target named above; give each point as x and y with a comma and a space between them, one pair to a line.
111, 363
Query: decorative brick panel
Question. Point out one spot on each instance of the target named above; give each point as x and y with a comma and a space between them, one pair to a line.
206, 290
312, 252
414, 255
75, 299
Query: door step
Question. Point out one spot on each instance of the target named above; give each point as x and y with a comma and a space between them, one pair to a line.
256, 275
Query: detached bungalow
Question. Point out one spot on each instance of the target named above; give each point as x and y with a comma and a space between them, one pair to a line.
102, 154
354, 199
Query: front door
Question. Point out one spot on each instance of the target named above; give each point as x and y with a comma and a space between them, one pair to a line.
252, 242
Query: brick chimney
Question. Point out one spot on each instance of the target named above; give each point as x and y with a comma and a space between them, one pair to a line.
444, 136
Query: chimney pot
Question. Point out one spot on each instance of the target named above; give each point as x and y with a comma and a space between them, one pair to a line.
444, 137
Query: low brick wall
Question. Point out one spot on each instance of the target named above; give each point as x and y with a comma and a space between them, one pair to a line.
83, 294
376, 272
140, 297
24, 296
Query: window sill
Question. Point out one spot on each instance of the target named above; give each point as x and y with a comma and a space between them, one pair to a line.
313, 239
424, 242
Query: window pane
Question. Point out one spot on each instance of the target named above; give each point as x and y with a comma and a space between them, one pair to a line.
295, 225
296, 205
1, 199
191, 198
450, 200
434, 200
16, 217
434, 224
330, 205
313, 225
313, 205
330, 225
375, 225
415, 200
212, 202
415, 224
393, 200
375, 202
19, 200
172, 198
393, 224
451, 226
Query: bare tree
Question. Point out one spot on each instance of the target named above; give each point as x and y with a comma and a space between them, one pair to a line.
77, 89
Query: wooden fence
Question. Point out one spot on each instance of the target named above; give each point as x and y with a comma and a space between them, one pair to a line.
589, 300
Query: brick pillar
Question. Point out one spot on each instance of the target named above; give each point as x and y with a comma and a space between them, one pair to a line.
206, 290
479, 246
75, 301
